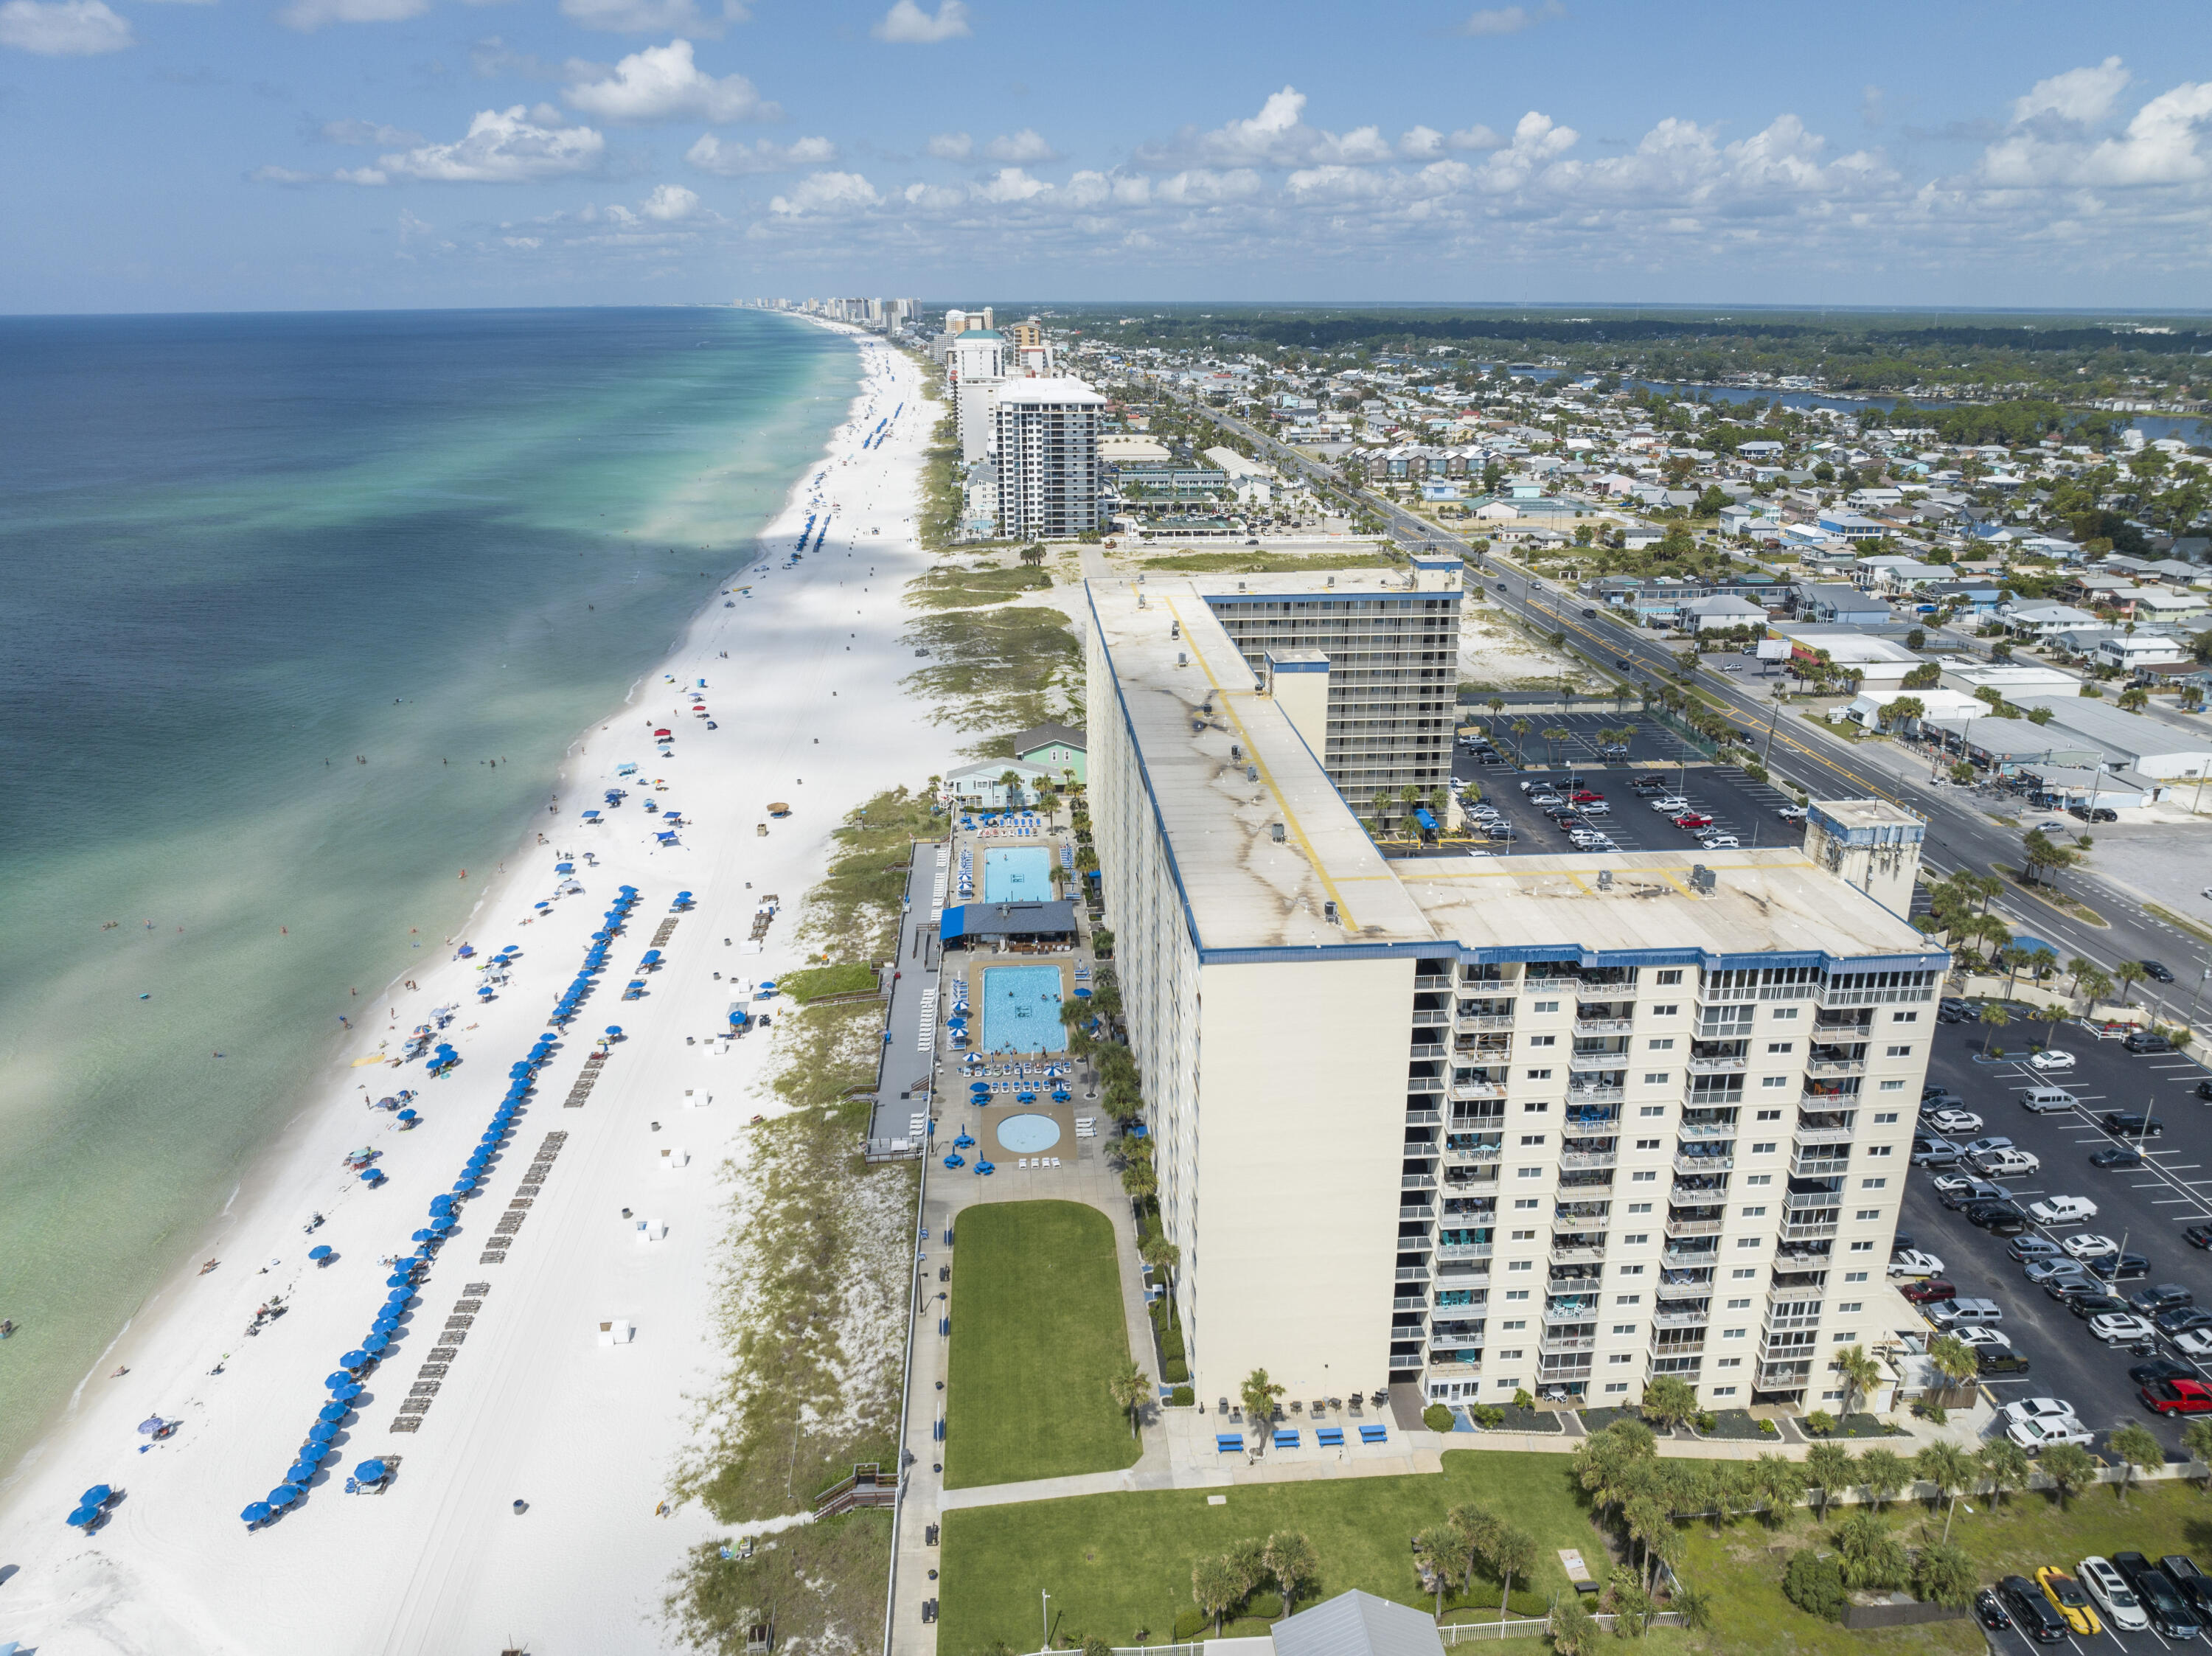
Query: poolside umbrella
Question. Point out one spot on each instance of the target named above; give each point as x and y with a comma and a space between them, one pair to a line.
422, 1235
302, 1474
83, 1518
333, 1412
257, 1513
370, 1471
1060, 1098
337, 1380
321, 1432
98, 1495
443, 1223
979, 1088
355, 1358
151, 1426
441, 1204
320, 1251
284, 1495
375, 1342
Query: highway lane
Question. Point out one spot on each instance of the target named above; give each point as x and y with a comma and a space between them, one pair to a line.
1959, 837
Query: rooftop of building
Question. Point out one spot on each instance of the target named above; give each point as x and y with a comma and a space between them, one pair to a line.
1262, 844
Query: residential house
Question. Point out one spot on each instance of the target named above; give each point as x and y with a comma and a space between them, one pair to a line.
2040, 621
1720, 613
1841, 606
982, 786
1059, 747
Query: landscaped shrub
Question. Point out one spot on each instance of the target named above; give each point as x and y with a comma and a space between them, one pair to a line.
1437, 1418
1183, 1397
1487, 1415
1814, 1585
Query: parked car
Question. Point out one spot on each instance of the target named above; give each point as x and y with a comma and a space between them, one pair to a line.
1583, 796
1692, 819
2093, 1304
1950, 1120
2040, 1271
2041, 1101
1669, 804
2204, 1089
1929, 1291
2182, 1319
1956, 1190
1994, 1364
1912, 1261
2131, 1123
2162, 1600
2093, 813
2197, 1343
2121, 1328
1792, 813
2192, 1583
2089, 1245
2162, 1297
1983, 1146
2158, 1368
1991, 1612
2028, 1249
2177, 1397
2052, 1060
1948, 1314
2006, 1164
2114, 1597
2063, 1211
1998, 1218
2117, 1156
2032, 1612
2067, 1597
2199, 1237
2121, 1267
1932, 1152
1720, 842
2156, 970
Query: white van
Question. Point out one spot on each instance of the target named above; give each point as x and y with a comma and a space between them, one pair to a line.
2040, 1100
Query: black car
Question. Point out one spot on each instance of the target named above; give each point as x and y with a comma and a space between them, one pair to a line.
1998, 1218
1989, 1611
2143, 1040
2131, 1123
2199, 1237
2156, 969
2160, 1368
2168, 1610
2086, 1305
2194, 1585
2121, 1267
2161, 1296
1973, 1192
1954, 1014
1940, 1098
2182, 1319
2117, 1156
2093, 814
2032, 1613
1991, 1361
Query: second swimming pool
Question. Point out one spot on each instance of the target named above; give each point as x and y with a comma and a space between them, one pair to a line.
1019, 874
1021, 1010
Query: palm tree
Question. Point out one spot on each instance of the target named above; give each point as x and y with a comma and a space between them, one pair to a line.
2070, 1467
1258, 1395
1437, 1548
1780, 1483
1497, 705
1884, 1472
1861, 1373
1995, 1015
1830, 1465
2095, 984
1954, 1359
1512, 1552
2196, 1439
1950, 1469
1217, 1584
2005, 1464
1290, 1559
1669, 1400
1575, 1631
1162, 1256
1473, 1529
2080, 968
1139, 1180
2136, 1446
1645, 1519
1130, 1386
1521, 728
1554, 734
2130, 973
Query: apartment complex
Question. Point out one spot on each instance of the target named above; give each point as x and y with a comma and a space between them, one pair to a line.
1046, 449
1478, 1124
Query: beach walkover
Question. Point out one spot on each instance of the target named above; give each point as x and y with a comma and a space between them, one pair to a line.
899, 1125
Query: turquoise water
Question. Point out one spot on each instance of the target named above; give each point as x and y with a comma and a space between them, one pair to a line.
1025, 1134
238, 552
1021, 1010
1021, 874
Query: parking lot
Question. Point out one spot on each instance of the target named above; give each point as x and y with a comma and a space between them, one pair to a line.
2013, 1642
2144, 1210
1737, 805
1652, 742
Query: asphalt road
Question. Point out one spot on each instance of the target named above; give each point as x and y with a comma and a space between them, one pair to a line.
2144, 1210
1959, 837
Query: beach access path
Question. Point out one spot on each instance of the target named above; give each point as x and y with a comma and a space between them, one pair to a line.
802, 671
904, 1082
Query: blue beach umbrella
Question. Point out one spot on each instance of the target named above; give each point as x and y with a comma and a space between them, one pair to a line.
376, 1343
302, 1474
371, 1176
441, 1204
443, 1223
257, 1513
422, 1235
284, 1495
349, 1391
397, 1279
338, 1381
387, 1321
321, 1432
321, 1251
354, 1359
370, 1471
98, 1495
83, 1518
333, 1412
399, 1298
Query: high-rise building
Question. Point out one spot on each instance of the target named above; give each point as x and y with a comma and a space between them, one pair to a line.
1046, 448
975, 363
1474, 1124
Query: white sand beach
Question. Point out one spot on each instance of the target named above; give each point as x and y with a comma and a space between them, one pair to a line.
532, 1406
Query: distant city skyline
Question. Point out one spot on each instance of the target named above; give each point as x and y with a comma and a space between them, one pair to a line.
369, 153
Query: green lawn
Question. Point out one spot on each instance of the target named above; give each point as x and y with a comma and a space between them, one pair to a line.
1116, 1564
1037, 1332
2005, 1537
813, 982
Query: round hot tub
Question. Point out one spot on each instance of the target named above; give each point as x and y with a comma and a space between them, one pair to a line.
1025, 1134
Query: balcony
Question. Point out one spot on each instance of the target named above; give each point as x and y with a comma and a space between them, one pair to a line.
1587, 1161
1413, 1274
1795, 1319
1565, 1223
1430, 1053
1552, 1344
1689, 1162
1477, 1089
1809, 1133
1836, 1066
1410, 1302
1473, 1152
1706, 1130
1785, 1377
1418, 1117
1823, 1165
1433, 982
1582, 1308
1676, 1228
1424, 1084
1719, 1067
1594, 1095
1417, 1181
1441, 1344
1668, 1316
1689, 1252
1472, 1021
1585, 1063
1463, 1250
1811, 1099
1808, 1230
1578, 1252
1604, 1026
1832, 999
1416, 1210
1432, 1017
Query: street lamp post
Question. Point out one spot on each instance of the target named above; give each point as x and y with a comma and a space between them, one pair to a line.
1044, 1609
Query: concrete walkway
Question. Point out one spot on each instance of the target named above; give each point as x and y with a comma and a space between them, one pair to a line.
909, 1050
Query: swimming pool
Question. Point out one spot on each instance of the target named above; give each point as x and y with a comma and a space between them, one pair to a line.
1025, 1134
1021, 1010
1019, 874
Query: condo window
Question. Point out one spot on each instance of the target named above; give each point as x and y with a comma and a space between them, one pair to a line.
1863, 1247
1744, 1273
1774, 1081
1844, 1336
1739, 1305
1882, 1149
1668, 1010
1781, 1045
1654, 1109
1528, 1173
1855, 1275
1783, 1014
1884, 1117
1899, 1051
1763, 1146
1754, 1213
1538, 1075
1631, 1270
1849, 1306
1544, 1006
1647, 1177
1648, 1144
1654, 1078
1543, 1040
1622, 1328
1893, 1086
1671, 975
1532, 1139
1905, 1017
1732, 1333
1665, 1046
1760, 1178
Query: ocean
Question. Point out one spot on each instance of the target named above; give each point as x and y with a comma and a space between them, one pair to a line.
298, 613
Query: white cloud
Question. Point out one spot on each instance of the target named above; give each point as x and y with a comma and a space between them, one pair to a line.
952, 146
668, 202
1426, 143
907, 24
662, 83
369, 132
369, 176
1537, 141
826, 192
308, 15
283, 175
733, 160
1011, 183
1025, 146
511, 146
62, 28
1277, 136
651, 16
2082, 97
1510, 20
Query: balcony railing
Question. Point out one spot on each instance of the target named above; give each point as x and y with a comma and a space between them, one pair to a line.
1719, 1067
1580, 1095
1474, 1152
1435, 981
1818, 1167
1471, 1090
1687, 1253
1578, 1252
1707, 1130
1463, 1250
1807, 1134
1424, 1084
1836, 1066
1683, 1317
1680, 1227
1417, 1181
1413, 1274
1453, 1343
1813, 1100
1695, 1163
1581, 1160
1483, 1021
1410, 1302
1797, 1319
1783, 1376
1586, 1062
1416, 1210
1841, 998
1564, 1223
1552, 1343
1418, 1117
1432, 1017
1582, 1310
1603, 1025
1432, 1054
1808, 1230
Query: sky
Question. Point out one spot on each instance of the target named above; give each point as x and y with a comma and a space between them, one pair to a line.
251, 155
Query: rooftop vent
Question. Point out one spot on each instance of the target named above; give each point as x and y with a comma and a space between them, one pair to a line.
1182, 658
1275, 832
1174, 629
1703, 879
1332, 583
1240, 585
1605, 879
1328, 911
1235, 751
1251, 772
